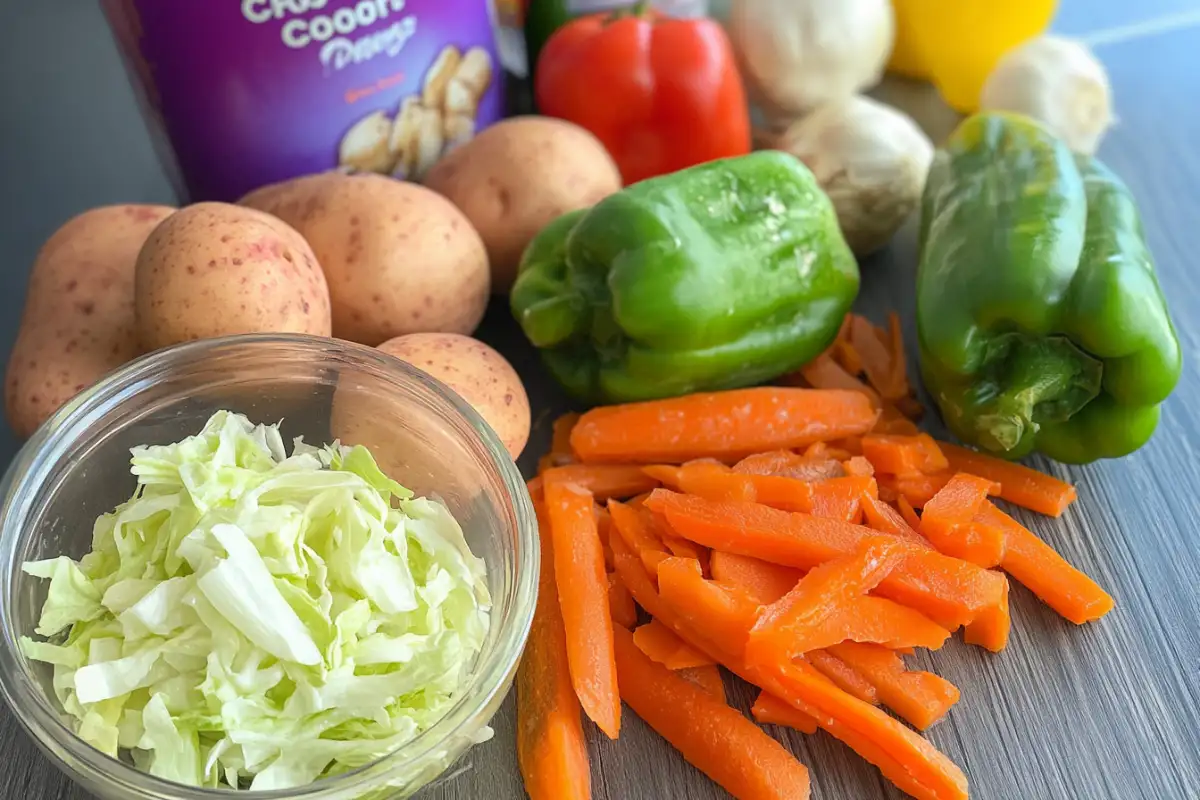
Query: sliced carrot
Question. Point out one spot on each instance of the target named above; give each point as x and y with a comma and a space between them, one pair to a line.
841, 498
1036, 565
910, 407
904, 455
882, 517
905, 758
560, 443
866, 340
722, 425
620, 603
604, 531
843, 352
1019, 484
770, 710
638, 528
713, 737
921, 698
786, 464
763, 581
909, 513
948, 521
895, 344
917, 488
661, 645
990, 629
604, 480
707, 678
583, 597
551, 749
858, 466
823, 372
949, 591
829, 606
847, 678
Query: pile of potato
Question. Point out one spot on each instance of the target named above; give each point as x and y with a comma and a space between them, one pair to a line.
360, 257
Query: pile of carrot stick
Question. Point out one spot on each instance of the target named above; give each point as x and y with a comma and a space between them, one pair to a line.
804, 538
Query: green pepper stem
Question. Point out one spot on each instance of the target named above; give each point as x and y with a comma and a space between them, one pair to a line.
1038, 381
639, 9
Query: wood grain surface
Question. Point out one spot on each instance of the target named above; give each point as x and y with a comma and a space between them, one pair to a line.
1107, 711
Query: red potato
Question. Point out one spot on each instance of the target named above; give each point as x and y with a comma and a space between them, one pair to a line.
398, 257
479, 375
78, 322
518, 176
215, 269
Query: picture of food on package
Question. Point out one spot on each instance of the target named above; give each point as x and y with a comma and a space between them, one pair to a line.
427, 125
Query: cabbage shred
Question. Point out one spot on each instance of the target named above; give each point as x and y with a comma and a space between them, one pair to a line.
256, 619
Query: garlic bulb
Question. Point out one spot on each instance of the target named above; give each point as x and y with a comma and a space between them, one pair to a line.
798, 54
870, 159
1057, 82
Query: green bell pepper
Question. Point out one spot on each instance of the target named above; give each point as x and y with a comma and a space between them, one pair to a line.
722, 275
1041, 322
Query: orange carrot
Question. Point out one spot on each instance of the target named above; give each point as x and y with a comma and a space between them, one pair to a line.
949, 591
661, 645
846, 677
991, 628
707, 678
551, 749
770, 710
895, 344
560, 446
910, 407
713, 737
921, 698
858, 466
903, 455
637, 527
908, 512
866, 340
841, 498
843, 352
583, 596
1019, 484
823, 372
763, 581
786, 464
828, 606
917, 488
904, 757
604, 531
882, 517
604, 480
620, 603
948, 521
723, 425
1037, 566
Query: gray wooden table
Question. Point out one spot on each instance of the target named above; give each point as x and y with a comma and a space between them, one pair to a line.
1109, 711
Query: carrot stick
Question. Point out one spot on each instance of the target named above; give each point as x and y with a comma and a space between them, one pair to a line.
722, 425
991, 628
882, 517
895, 344
823, 372
903, 455
604, 480
828, 606
713, 737
551, 749
763, 581
858, 466
843, 352
904, 757
707, 678
583, 596
661, 645
620, 603
908, 512
921, 698
636, 527
770, 710
604, 531
917, 488
948, 521
1019, 484
949, 591
560, 445
866, 340
786, 464
846, 677
840, 498
1037, 566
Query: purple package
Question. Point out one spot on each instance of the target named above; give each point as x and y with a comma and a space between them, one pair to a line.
250, 92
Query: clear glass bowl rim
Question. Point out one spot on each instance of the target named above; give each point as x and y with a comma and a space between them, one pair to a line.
37, 713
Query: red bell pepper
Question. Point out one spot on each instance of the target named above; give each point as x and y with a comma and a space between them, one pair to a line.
662, 94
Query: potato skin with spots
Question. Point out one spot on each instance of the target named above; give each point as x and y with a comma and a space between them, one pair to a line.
215, 269
479, 374
398, 257
519, 175
78, 322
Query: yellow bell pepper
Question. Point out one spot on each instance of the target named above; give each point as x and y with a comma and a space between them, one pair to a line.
955, 44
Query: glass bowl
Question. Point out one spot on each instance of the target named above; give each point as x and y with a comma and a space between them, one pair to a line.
76, 467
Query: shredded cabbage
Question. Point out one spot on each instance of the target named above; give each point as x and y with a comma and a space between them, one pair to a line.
253, 619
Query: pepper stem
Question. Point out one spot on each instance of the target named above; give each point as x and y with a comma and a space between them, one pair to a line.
639, 9
1036, 381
